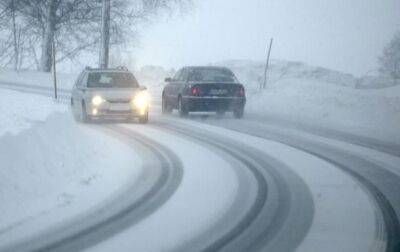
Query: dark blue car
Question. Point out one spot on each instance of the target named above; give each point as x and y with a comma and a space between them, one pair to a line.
208, 89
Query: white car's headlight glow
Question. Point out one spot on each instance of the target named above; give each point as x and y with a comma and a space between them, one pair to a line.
141, 100
97, 100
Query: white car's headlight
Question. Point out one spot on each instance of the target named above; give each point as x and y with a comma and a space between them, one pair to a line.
141, 100
97, 100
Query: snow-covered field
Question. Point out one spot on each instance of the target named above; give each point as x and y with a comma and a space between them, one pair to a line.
371, 112
52, 167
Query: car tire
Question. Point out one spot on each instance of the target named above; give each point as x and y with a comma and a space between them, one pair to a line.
85, 118
73, 110
144, 118
238, 113
182, 108
165, 107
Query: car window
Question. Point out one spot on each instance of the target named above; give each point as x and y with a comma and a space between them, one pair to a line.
78, 81
177, 75
112, 80
83, 81
184, 76
212, 75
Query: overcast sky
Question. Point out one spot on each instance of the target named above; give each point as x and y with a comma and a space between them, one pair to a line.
345, 35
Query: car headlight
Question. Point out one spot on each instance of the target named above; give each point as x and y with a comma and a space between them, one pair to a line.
97, 100
141, 100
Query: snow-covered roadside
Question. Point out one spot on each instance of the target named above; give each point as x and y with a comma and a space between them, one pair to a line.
370, 112
34, 78
19, 111
52, 167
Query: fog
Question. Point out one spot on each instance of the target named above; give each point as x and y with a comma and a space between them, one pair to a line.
343, 35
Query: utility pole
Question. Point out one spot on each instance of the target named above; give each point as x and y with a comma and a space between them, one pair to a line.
267, 63
54, 69
105, 34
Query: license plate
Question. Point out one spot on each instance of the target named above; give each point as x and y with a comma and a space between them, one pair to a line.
218, 91
119, 107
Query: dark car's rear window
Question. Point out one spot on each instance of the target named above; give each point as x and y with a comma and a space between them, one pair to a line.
212, 75
112, 80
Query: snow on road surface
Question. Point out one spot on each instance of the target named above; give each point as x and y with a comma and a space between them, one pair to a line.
208, 189
53, 168
344, 218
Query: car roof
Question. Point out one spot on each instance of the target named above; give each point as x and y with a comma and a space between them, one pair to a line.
107, 70
206, 67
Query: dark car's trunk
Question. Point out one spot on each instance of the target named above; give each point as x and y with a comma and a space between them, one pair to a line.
217, 89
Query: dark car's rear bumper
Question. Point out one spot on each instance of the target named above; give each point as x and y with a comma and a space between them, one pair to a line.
198, 104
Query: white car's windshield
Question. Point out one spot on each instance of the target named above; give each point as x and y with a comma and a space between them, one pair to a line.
111, 80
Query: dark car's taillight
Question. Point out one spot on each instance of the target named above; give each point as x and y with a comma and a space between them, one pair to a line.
194, 91
240, 92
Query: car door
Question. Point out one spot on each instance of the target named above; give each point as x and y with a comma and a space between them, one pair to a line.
171, 91
80, 88
181, 84
74, 91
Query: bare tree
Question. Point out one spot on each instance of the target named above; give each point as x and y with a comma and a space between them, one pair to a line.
75, 26
390, 59
8, 11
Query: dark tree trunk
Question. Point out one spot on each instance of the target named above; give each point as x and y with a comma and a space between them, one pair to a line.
105, 35
48, 37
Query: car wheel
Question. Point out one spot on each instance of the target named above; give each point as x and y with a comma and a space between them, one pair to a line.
144, 118
182, 109
85, 118
165, 107
73, 110
238, 113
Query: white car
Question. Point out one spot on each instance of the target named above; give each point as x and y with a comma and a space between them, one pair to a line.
109, 94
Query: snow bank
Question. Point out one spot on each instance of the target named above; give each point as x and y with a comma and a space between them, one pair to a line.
322, 97
19, 111
52, 167
64, 81
375, 113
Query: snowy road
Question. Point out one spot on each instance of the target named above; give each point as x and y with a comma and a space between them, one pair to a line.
241, 185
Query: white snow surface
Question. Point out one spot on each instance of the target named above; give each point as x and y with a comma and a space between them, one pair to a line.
19, 111
35, 78
371, 112
344, 213
206, 193
52, 167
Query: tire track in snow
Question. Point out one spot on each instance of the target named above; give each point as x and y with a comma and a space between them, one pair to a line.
382, 185
119, 213
279, 191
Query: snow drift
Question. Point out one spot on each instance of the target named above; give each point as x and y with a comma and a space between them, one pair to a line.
51, 167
